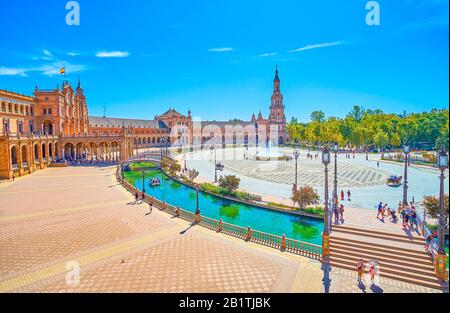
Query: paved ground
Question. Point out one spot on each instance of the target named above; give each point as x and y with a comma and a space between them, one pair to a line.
82, 215
364, 178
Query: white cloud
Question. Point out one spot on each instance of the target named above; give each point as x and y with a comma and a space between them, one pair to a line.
316, 46
221, 49
46, 69
48, 53
73, 54
9, 71
112, 54
268, 54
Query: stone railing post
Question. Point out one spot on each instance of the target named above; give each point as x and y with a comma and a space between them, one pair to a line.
177, 212
283, 242
249, 233
219, 229
164, 205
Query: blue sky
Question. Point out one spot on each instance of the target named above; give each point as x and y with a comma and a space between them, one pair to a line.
217, 57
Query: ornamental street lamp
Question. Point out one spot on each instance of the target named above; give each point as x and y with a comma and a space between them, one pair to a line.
406, 150
197, 209
296, 155
335, 196
442, 161
326, 161
367, 154
143, 182
215, 163
441, 259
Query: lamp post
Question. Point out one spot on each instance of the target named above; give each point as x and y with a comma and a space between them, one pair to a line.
406, 150
197, 209
143, 182
441, 273
335, 196
215, 163
326, 230
367, 154
296, 155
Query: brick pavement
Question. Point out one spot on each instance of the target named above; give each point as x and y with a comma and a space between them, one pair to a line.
81, 214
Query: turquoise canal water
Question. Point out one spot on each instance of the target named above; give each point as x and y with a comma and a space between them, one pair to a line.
278, 223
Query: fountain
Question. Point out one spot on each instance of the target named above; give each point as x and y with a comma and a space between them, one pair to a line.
270, 154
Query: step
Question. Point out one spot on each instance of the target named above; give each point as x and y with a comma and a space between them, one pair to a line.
433, 285
375, 246
378, 232
428, 277
397, 260
383, 237
354, 248
388, 263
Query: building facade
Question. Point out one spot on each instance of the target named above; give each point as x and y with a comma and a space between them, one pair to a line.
54, 125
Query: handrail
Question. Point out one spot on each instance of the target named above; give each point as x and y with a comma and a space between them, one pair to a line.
290, 245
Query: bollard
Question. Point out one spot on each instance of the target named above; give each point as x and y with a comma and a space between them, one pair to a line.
220, 225
177, 212
249, 233
283, 242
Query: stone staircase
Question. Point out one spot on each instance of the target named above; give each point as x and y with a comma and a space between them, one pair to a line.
401, 257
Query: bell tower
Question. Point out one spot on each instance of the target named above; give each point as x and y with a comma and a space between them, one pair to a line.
276, 105
277, 116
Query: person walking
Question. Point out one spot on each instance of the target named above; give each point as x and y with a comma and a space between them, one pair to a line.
380, 207
341, 212
14, 176
342, 195
136, 198
349, 194
150, 208
360, 270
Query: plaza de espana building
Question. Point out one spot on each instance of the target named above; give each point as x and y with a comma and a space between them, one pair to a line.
53, 126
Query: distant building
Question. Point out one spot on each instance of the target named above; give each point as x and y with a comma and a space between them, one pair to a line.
54, 125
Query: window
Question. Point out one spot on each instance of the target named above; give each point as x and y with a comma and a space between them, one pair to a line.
9, 108
46, 98
31, 111
3, 107
49, 111
44, 111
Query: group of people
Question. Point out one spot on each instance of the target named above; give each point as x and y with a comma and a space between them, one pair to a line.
360, 268
349, 194
311, 156
348, 155
338, 212
407, 213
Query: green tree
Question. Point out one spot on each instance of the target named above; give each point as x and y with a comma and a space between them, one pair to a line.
229, 182
317, 116
304, 196
431, 205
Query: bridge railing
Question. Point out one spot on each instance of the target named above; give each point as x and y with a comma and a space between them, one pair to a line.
279, 242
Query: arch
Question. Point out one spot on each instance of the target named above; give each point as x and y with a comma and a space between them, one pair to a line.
36, 151
69, 150
14, 159
24, 154
44, 151
48, 127
50, 150
56, 150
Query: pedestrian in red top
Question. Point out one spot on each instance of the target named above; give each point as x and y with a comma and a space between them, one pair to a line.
342, 195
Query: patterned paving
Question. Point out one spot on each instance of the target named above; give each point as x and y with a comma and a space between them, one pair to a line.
310, 172
61, 215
